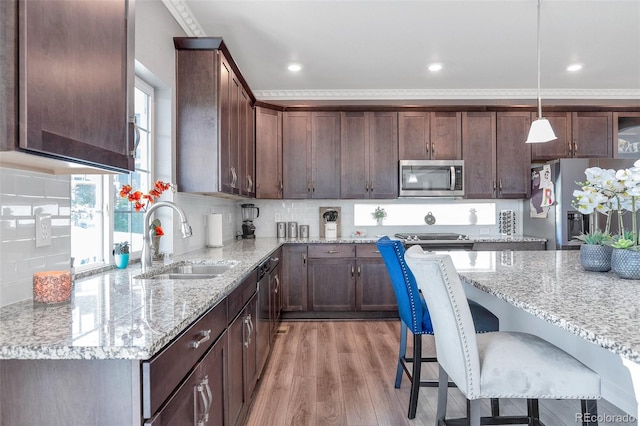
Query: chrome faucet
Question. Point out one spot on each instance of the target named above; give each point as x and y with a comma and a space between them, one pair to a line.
146, 240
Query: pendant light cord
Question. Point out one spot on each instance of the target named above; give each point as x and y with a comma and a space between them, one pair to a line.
538, 41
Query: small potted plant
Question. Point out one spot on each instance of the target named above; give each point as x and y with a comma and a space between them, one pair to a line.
379, 214
121, 254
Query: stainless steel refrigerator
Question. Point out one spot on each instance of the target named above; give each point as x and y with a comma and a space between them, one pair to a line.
563, 222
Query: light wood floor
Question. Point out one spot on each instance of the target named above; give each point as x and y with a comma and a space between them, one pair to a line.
342, 373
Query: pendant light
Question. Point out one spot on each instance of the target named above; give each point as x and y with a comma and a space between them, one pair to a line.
540, 130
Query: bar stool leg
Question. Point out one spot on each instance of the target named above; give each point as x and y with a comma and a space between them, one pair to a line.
401, 354
415, 376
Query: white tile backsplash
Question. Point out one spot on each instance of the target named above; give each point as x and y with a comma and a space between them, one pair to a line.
22, 193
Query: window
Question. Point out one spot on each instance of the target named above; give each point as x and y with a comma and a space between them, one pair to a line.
93, 228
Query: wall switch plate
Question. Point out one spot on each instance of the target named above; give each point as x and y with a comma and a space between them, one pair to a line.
43, 229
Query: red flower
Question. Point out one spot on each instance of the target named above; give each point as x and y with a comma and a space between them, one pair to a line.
141, 200
158, 231
125, 190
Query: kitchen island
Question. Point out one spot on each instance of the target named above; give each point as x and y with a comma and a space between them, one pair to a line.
594, 316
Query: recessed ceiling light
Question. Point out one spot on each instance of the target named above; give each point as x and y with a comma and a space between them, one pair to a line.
295, 67
574, 67
435, 67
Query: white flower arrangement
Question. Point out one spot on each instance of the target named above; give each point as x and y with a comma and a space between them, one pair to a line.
607, 191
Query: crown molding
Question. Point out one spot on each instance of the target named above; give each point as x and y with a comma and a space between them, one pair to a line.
436, 94
184, 17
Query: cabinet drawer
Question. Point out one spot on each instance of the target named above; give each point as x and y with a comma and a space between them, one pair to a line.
241, 295
162, 373
317, 251
368, 250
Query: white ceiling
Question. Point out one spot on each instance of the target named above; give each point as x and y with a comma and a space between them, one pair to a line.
378, 51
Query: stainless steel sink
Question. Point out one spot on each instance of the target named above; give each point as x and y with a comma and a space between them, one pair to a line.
195, 272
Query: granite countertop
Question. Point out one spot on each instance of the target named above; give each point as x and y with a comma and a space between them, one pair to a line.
115, 315
552, 285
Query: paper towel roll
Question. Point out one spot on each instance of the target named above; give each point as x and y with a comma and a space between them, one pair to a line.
214, 230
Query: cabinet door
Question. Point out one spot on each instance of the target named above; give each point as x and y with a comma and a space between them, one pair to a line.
374, 291
513, 160
237, 334
73, 80
332, 284
479, 148
354, 154
294, 278
275, 299
246, 161
414, 136
213, 372
446, 135
296, 155
187, 405
592, 134
325, 156
196, 131
383, 155
559, 148
268, 153
626, 134
226, 107
250, 349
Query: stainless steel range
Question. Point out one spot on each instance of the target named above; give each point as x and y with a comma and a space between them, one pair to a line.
437, 241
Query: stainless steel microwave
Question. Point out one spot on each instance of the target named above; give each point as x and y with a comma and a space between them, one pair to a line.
431, 178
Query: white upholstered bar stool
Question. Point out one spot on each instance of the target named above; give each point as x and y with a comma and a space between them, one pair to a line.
498, 364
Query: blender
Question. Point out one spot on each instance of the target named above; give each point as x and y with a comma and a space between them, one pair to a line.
249, 212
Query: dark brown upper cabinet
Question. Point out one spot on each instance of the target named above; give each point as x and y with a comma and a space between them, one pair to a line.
311, 155
67, 82
369, 155
513, 155
586, 134
497, 161
215, 150
429, 135
268, 153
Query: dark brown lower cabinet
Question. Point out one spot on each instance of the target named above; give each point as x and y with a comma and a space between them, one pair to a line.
348, 278
242, 363
374, 291
332, 284
200, 399
294, 278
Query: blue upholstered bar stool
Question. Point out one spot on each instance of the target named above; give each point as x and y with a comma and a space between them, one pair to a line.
494, 365
414, 316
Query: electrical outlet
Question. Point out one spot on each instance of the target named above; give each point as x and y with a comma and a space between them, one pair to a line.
43, 229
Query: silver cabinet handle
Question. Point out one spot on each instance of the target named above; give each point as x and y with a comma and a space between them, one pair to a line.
352, 271
358, 271
249, 183
206, 335
304, 259
205, 382
136, 141
277, 284
332, 251
200, 389
247, 322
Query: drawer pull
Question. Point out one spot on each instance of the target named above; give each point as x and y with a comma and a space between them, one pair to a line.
332, 251
206, 335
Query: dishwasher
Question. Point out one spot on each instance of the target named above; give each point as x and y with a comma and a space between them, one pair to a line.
268, 294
